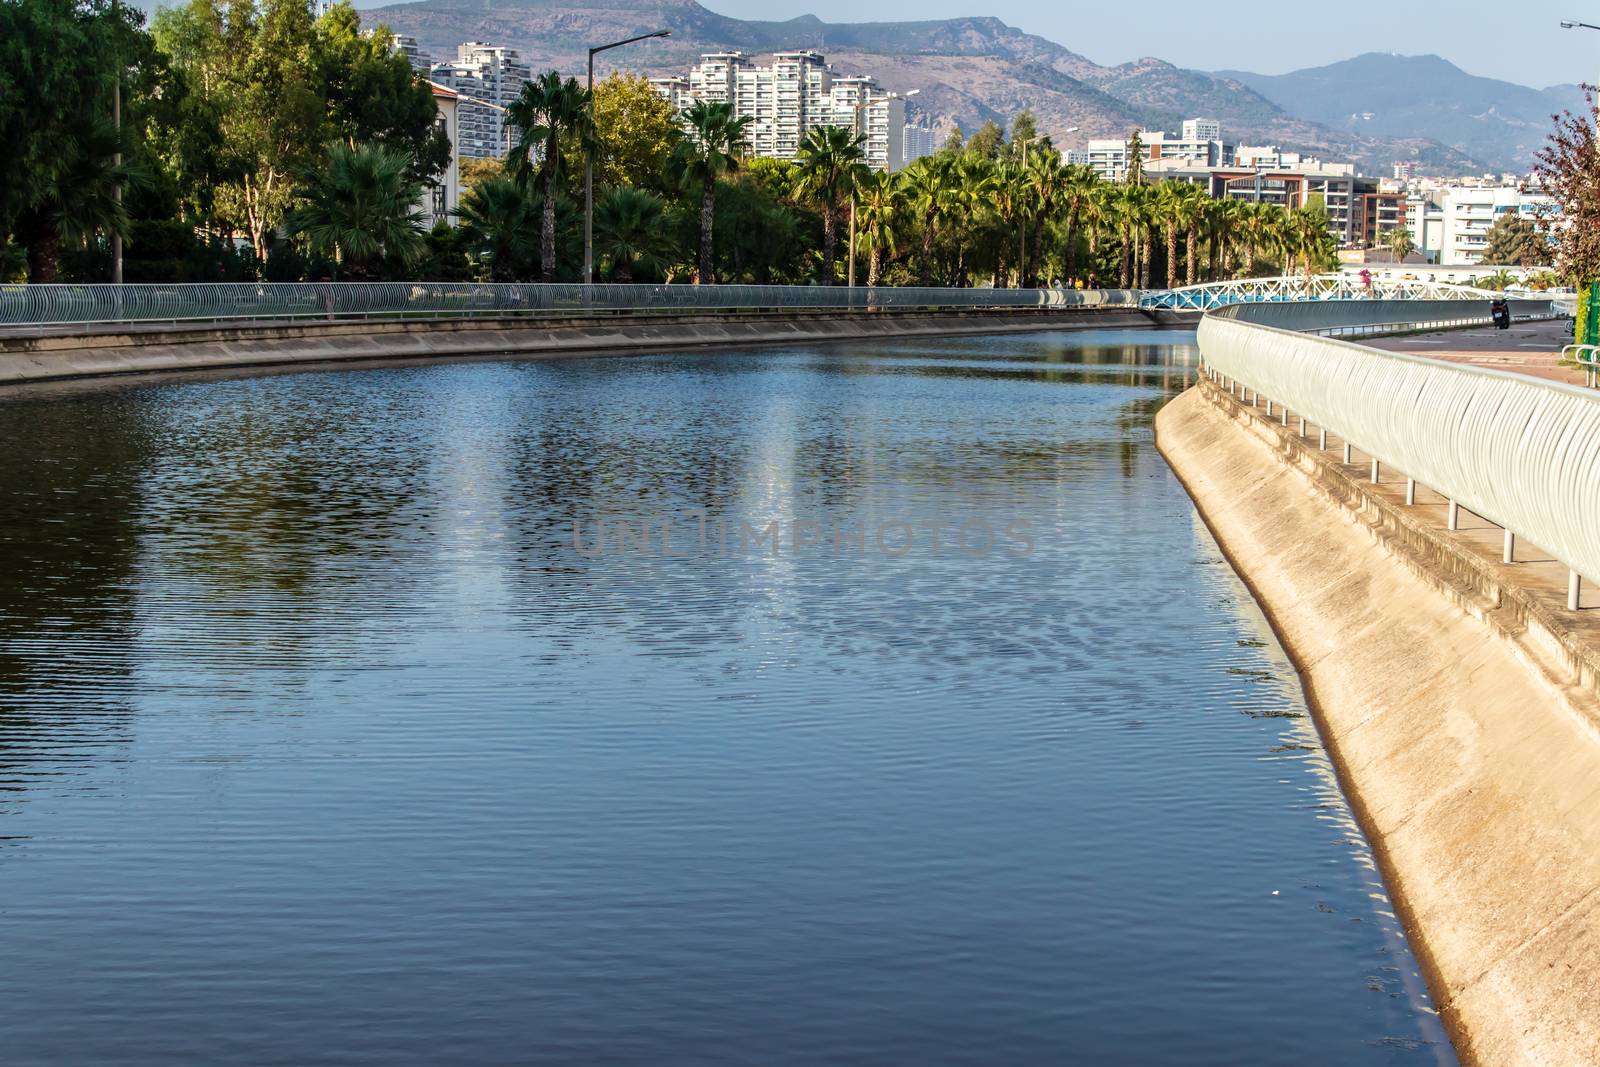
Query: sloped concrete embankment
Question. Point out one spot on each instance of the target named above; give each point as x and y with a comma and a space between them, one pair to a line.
1471, 754
145, 349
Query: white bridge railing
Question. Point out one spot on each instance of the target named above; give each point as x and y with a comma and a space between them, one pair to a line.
60, 305
1519, 451
1298, 288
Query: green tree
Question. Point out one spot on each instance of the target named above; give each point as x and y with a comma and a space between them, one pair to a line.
501, 224
954, 141
829, 165
1515, 241
1401, 243
1079, 188
634, 131
273, 118
1046, 181
988, 141
879, 202
372, 95
706, 153
360, 207
546, 110
930, 194
629, 232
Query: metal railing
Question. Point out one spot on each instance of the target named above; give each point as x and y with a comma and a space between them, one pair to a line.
1298, 288
1585, 356
1522, 452
62, 305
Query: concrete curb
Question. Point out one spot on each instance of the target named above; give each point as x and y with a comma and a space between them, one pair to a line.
137, 350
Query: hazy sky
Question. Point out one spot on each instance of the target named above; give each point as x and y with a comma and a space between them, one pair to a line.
1517, 40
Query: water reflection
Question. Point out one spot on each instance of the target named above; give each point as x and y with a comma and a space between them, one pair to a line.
324, 743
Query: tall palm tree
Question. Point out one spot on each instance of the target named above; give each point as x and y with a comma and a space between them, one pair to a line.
707, 151
1170, 208
879, 201
829, 164
363, 205
501, 220
1047, 181
77, 198
930, 193
546, 109
1191, 209
976, 180
1078, 191
629, 227
1126, 212
1008, 192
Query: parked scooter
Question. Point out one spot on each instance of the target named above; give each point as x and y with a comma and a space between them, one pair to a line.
1500, 310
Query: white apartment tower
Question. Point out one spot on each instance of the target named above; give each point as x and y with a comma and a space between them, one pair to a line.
797, 92
488, 79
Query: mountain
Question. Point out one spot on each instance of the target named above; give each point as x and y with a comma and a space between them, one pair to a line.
1381, 95
968, 69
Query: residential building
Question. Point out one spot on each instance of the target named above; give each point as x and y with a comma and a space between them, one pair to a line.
1200, 144
1452, 221
486, 79
795, 93
419, 60
443, 195
916, 141
675, 90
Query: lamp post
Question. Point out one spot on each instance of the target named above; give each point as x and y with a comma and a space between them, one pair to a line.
855, 122
1574, 24
588, 156
116, 119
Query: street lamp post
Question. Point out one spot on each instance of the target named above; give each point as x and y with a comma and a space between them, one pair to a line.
1574, 24
588, 156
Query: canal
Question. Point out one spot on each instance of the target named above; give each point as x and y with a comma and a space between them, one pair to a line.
877, 703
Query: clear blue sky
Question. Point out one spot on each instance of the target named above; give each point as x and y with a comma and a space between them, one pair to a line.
1516, 40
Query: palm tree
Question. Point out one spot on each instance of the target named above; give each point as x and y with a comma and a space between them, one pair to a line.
1078, 191
629, 231
546, 109
77, 198
929, 192
708, 151
1126, 211
1171, 208
499, 217
1401, 243
1008, 191
1047, 182
879, 201
362, 206
829, 165
976, 182
1191, 208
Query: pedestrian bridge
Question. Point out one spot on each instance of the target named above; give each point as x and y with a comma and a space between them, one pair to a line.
1298, 288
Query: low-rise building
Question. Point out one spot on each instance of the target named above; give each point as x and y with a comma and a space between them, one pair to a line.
443, 195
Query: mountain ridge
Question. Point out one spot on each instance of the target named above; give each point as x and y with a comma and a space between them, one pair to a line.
968, 69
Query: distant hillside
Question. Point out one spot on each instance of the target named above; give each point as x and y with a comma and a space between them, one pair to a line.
1499, 123
968, 69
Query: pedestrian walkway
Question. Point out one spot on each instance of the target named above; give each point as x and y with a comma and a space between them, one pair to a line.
1532, 348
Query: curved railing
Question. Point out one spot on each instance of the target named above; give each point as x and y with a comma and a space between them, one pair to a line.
1298, 288
1521, 452
57, 305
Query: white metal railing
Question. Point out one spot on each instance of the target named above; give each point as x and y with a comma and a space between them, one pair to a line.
59, 305
1296, 288
1522, 452
1585, 356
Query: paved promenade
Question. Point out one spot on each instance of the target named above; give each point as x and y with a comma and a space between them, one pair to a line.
1527, 348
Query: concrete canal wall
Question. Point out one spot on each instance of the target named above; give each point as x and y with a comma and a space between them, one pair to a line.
92, 352
1463, 720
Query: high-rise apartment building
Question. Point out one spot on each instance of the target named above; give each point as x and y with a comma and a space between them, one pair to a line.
795, 93
487, 79
916, 141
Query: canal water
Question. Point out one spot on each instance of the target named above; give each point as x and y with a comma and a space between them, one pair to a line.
625, 711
